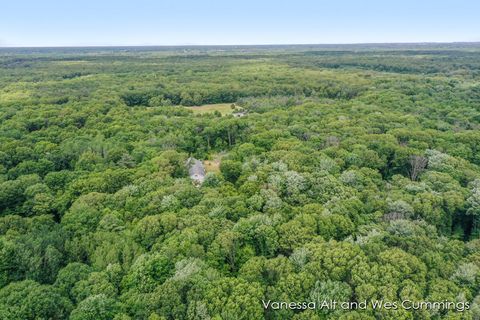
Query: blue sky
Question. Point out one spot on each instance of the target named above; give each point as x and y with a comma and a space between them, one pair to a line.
187, 22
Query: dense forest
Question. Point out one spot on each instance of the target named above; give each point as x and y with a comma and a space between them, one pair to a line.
347, 173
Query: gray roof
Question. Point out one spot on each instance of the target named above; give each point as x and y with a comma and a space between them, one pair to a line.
196, 170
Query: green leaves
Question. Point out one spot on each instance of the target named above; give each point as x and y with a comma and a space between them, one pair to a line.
30, 300
231, 170
95, 307
348, 176
148, 271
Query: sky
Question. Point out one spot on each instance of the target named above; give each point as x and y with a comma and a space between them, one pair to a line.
215, 22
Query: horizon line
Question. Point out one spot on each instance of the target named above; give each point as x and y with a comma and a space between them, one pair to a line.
237, 45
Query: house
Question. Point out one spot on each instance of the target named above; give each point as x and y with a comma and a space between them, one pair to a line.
196, 170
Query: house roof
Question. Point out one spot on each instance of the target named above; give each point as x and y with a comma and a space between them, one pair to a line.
196, 168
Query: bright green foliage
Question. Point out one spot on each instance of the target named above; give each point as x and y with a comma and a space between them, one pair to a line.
30, 300
344, 174
98, 307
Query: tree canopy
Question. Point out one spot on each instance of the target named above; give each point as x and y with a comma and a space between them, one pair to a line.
350, 174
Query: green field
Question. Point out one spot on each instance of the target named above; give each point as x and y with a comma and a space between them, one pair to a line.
223, 108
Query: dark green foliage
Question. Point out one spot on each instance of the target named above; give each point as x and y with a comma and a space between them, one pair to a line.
136, 99
29, 300
231, 170
344, 174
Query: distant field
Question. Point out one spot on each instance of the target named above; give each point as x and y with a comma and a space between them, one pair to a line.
223, 108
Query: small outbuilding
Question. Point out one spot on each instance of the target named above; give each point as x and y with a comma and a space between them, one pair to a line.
196, 170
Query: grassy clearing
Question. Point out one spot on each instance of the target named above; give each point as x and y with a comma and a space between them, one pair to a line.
214, 164
223, 108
